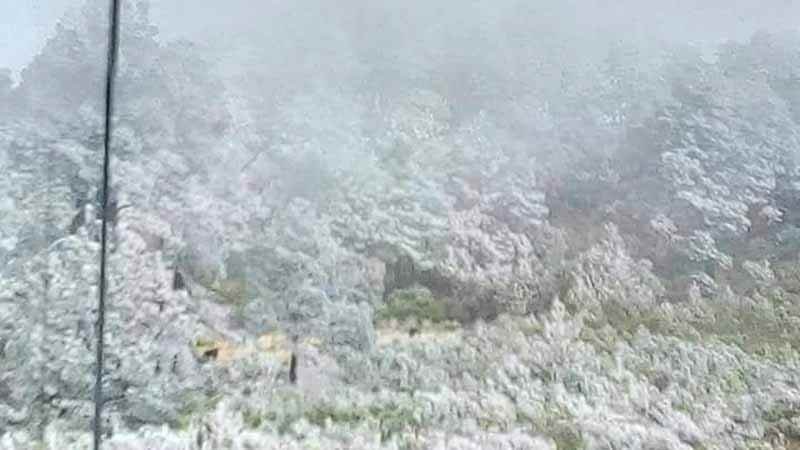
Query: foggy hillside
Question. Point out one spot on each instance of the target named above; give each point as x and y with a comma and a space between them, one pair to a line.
406, 225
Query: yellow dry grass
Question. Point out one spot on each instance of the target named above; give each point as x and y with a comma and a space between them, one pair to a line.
276, 345
393, 333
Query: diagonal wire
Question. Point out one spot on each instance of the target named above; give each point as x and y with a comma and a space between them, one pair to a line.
101, 301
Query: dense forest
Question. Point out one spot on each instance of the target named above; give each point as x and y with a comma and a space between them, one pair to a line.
404, 227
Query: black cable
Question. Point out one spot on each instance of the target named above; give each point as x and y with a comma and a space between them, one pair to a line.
101, 302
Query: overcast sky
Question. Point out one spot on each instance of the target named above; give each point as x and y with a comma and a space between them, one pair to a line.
24, 27
696, 19
26, 24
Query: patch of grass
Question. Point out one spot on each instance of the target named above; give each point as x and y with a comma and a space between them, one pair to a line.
602, 338
624, 320
394, 419
284, 409
195, 406
758, 446
413, 303
566, 436
762, 330
788, 274
202, 343
767, 331
616, 322
202, 346
780, 412
558, 425
528, 327
321, 413
735, 382
252, 419
232, 290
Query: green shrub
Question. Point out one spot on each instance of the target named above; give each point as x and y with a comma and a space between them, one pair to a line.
193, 407
321, 413
252, 419
392, 418
566, 435
557, 423
412, 303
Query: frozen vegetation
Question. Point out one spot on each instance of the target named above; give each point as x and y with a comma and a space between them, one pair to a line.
497, 234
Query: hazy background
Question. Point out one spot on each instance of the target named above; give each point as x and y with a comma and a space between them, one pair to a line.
24, 28
26, 24
680, 20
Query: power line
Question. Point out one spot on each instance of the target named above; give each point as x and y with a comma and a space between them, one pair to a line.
101, 302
